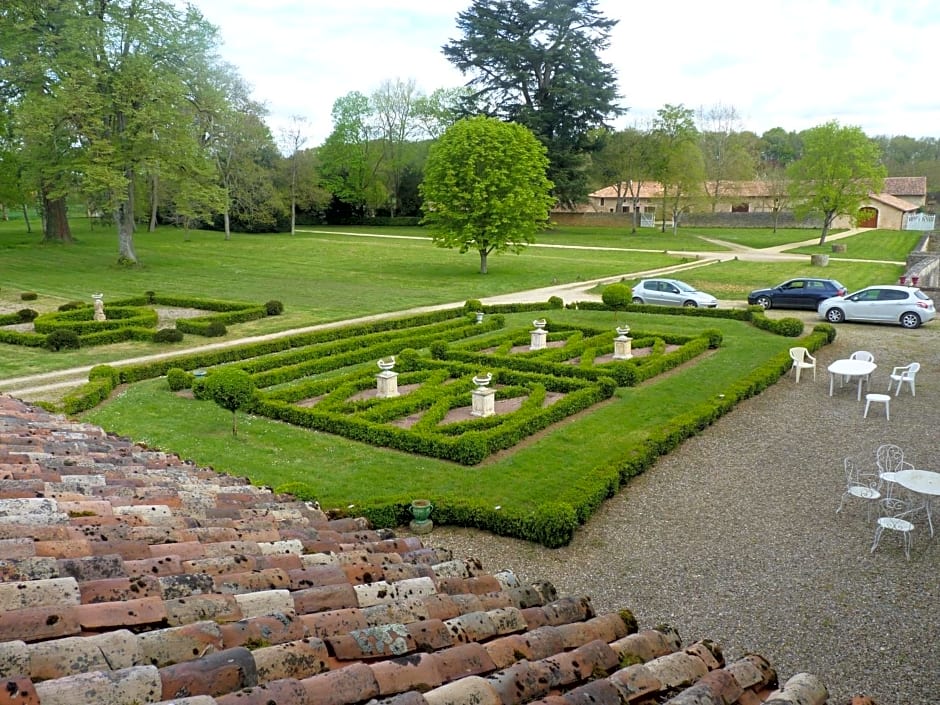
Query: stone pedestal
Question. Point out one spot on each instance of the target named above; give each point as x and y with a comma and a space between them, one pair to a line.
483, 402
387, 384
539, 336
479, 316
623, 349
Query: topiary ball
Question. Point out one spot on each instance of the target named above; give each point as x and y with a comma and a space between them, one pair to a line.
29, 296
27, 315
216, 329
168, 335
274, 308
62, 339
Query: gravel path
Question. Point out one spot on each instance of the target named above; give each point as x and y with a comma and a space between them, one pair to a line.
734, 537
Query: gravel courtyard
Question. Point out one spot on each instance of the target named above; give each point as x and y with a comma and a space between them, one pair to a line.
734, 537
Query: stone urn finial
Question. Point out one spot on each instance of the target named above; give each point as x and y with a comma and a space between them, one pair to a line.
482, 381
623, 330
539, 323
386, 364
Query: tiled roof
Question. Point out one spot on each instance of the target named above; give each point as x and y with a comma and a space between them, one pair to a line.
906, 185
894, 185
893, 201
130, 576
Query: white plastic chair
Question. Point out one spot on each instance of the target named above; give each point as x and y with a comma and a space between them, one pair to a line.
907, 373
895, 514
859, 485
867, 357
802, 360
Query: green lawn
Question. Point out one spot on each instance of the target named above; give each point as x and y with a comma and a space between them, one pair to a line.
343, 471
889, 245
754, 237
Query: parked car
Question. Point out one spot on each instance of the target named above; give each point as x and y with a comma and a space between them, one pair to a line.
802, 292
906, 305
671, 292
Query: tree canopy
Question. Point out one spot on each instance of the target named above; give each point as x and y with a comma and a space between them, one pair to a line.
839, 167
485, 187
537, 63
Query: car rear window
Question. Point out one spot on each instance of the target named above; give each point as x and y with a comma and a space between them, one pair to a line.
920, 294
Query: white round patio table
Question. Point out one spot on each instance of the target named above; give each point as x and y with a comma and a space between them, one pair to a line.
923, 482
849, 369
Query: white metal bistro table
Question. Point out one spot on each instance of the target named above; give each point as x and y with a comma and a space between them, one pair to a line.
849, 369
922, 482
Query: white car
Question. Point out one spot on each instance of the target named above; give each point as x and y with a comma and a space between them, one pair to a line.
904, 305
671, 292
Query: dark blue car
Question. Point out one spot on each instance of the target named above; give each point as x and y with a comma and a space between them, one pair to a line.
803, 292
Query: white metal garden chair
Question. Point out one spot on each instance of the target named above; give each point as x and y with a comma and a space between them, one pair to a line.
859, 485
889, 459
895, 514
907, 373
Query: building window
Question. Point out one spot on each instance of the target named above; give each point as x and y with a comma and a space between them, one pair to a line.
602, 200
625, 209
741, 208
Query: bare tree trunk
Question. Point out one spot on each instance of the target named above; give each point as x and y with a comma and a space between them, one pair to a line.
124, 218
154, 200
228, 231
55, 220
827, 223
483, 254
29, 226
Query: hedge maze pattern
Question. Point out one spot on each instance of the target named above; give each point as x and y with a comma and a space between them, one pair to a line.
330, 385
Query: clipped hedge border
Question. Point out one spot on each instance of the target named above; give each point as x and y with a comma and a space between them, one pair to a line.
479, 438
81, 320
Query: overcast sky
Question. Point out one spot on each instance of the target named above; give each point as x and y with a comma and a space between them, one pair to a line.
779, 63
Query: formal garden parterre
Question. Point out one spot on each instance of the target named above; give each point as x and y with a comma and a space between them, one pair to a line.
323, 382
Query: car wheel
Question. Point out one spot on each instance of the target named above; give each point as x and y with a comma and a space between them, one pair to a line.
835, 315
690, 304
764, 302
910, 320
637, 300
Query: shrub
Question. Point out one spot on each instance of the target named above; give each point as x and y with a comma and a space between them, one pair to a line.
29, 296
72, 305
105, 372
617, 296
714, 337
789, 327
473, 305
151, 297
168, 335
231, 388
27, 315
556, 302
274, 308
62, 339
178, 379
200, 390
216, 329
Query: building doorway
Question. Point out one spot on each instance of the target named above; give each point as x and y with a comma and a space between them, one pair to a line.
868, 217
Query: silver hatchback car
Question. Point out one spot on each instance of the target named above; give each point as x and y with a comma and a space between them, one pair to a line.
904, 305
671, 292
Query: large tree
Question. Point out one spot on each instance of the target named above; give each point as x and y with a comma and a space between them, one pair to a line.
537, 63
101, 98
725, 152
840, 166
678, 163
625, 160
485, 188
351, 157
